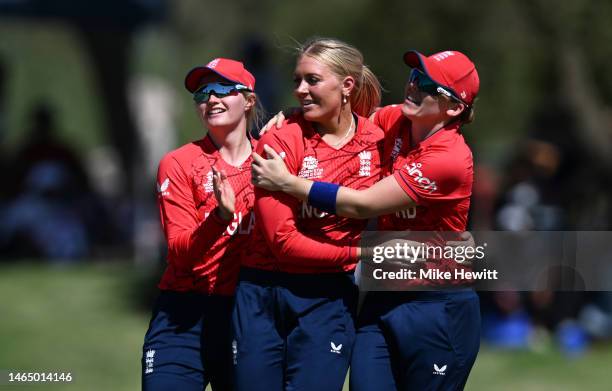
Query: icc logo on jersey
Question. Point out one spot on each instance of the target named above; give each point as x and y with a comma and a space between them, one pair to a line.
310, 168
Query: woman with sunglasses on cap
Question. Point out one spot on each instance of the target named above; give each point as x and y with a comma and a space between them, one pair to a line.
293, 323
422, 339
205, 199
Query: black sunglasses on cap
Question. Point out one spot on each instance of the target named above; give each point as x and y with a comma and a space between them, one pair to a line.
425, 84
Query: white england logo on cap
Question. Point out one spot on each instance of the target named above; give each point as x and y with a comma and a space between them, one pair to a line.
463, 94
443, 55
213, 63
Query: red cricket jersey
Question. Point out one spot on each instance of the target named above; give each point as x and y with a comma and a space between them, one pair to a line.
292, 236
203, 250
437, 174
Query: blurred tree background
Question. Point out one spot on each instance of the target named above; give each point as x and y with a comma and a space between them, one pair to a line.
102, 82
531, 56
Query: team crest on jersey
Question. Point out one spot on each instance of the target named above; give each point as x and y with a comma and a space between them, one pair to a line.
365, 163
208, 185
414, 170
310, 168
162, 189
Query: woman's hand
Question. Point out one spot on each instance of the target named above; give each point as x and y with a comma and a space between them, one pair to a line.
270, 174
224, 193
466, 239
277, 120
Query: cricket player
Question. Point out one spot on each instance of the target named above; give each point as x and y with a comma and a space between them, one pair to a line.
293, 319
205, 199
419, 340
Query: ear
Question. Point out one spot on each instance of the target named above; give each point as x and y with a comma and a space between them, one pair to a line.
250, 101
348, 83
454, 109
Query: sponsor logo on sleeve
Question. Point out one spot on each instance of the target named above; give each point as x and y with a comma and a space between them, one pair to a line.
162, 189
414, 170
397, 147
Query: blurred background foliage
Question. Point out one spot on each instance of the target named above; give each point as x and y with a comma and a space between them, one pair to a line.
526, 53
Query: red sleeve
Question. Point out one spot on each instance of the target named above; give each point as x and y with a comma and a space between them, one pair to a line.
434, 176
385, 117
188, 238
276, 212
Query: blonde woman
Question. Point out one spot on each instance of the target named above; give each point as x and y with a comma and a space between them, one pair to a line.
293, 319
412, 340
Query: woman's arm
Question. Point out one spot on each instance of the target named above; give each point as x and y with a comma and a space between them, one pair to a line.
187, 236
276, 216
382, 198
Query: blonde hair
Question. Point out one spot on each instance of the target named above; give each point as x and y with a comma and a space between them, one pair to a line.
346, 60
256, 115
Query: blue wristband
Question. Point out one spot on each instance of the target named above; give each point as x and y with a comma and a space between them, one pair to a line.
322, 196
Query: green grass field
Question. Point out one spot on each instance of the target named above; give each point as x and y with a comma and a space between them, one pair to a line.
86, 320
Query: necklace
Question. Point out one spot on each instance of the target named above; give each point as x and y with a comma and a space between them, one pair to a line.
348, 131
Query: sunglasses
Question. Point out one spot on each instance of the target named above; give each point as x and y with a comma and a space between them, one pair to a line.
220, 90
425, 84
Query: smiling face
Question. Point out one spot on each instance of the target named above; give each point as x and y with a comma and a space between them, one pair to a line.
420, 106
227, 112
318, 90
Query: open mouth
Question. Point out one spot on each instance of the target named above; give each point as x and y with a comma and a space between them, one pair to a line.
216, 110
414, 100
413, 95
306, 103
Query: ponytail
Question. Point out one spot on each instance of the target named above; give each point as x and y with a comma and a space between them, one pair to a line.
367, 95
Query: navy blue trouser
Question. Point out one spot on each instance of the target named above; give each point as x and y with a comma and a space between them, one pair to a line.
188, 344
416, 341
293, 331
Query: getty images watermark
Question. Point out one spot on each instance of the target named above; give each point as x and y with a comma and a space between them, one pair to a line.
410, 256
486, 260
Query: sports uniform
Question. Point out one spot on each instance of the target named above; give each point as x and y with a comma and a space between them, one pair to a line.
188, 343
292, 321
425, 340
